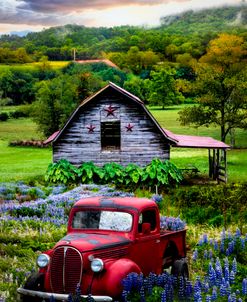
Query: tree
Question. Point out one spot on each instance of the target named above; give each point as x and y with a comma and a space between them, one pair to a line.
221, 87
162, 87
55, 101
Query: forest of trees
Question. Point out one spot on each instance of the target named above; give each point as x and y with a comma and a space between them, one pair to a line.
195, 57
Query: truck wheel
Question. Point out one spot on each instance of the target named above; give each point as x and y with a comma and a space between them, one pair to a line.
34, 282
180, 268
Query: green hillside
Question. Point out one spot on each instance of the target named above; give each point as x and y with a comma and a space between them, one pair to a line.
208, 20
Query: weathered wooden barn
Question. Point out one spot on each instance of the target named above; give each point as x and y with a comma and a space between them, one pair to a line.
111, 126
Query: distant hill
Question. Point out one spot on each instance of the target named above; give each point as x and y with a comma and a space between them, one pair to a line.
59, 43
213, 20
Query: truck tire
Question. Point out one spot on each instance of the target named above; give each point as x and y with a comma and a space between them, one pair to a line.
180, 268
34, 282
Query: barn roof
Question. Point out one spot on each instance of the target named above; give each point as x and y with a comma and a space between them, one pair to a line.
191, 141
129, 95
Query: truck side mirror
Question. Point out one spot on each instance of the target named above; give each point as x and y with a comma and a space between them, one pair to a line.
146, 228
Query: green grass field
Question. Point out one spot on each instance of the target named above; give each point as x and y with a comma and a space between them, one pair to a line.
21, 163
24, 163
32, 66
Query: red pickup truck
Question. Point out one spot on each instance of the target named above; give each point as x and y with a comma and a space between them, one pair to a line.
107, 239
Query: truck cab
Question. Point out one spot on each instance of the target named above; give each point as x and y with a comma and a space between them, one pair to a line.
107, 238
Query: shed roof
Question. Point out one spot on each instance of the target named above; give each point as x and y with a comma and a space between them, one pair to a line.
190, 141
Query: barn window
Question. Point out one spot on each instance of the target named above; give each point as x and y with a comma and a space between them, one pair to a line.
110, 135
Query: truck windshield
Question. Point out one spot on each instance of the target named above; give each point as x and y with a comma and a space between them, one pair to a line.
102, 220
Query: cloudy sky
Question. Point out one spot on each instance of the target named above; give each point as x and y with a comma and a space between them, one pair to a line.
19, 15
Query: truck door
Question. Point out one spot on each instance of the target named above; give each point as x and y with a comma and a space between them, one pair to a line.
147, 244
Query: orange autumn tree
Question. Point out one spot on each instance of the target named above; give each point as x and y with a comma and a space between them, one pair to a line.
221, 86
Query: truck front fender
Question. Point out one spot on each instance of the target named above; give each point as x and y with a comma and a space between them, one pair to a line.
115, 272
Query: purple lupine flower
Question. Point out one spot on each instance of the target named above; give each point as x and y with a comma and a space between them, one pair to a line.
229, 235
127, 284
238, 233
216, 246
205, 287
208, 298
242, 241
70, 299
125, 296
163, 296
226, 274
222, 246
157, 198
181, 287
205, 254
232, 277
226, 263
142, 294
140, 283
195, 255
211, 275
78, 293
169, 289
149, 286
244, 286
234, 265
197, 295
223, 234
214, 294
223, 290
233, 297
188, 288
205, 238
228, 289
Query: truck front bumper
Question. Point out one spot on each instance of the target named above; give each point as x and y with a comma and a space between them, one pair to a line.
58, 297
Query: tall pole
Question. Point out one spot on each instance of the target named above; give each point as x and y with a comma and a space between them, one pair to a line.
74, 54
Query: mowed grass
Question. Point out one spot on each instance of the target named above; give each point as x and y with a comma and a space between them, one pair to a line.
21, 163
33, 66
188, 157
24, 163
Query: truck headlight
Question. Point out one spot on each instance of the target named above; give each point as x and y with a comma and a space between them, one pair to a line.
97, 265
43, 260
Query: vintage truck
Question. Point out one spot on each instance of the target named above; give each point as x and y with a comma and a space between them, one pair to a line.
107, 239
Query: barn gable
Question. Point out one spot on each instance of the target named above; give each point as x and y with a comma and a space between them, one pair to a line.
111, 126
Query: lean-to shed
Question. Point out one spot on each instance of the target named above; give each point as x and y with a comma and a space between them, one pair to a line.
111, 126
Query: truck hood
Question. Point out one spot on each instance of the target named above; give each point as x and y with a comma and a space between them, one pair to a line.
91, 241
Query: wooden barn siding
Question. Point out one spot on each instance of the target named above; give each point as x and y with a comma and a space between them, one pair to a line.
139, 146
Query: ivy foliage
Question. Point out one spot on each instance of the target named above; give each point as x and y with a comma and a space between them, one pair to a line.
155, 173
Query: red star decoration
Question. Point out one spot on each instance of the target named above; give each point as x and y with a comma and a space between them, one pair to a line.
110, 110
129, 127
90, 128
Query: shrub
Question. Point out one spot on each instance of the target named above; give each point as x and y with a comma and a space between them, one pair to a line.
4, 116
157, 173
61, 172
18, 114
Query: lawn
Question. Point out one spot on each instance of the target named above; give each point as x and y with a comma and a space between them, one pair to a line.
21, 163
185, 157
29, 66
18, 163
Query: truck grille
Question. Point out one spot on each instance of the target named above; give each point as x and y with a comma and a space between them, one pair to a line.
66, 269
